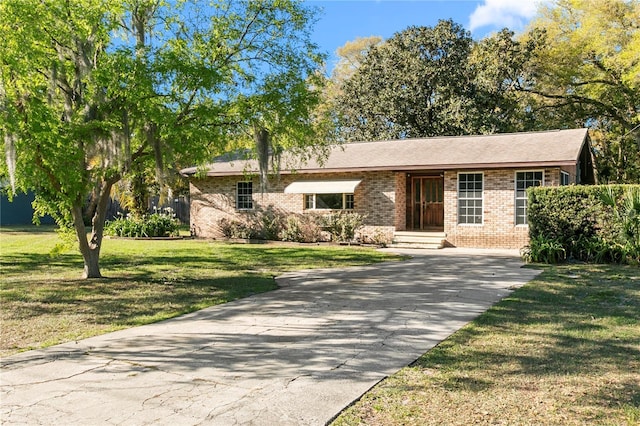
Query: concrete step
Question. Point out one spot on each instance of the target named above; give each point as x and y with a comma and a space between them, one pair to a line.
413, 239
435, 246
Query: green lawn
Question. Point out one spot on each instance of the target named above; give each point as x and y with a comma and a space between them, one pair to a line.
43, 301
562, 350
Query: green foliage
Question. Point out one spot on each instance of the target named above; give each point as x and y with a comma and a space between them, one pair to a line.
542, 249
587, 223
342, 226
568, 215
625, 219
576, 66
148, 226
586, 72
66, 240
430, 81
92, 93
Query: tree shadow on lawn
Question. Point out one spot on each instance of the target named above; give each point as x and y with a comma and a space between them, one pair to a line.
111, 265
30, 263
574, 323
132, 301
215, 256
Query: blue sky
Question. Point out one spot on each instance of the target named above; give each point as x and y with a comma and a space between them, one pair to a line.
344, 20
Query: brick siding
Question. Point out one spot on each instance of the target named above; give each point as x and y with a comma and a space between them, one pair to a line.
213, 199
381, 198
498, 229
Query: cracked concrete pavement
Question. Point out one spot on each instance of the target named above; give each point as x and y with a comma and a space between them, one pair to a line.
294, 356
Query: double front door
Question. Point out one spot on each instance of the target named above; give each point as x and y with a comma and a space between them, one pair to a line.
427, 206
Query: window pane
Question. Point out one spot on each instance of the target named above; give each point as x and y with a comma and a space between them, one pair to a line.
470, 198
521, 211
244, 195
329, 201
525, 180
348, 201
308, 201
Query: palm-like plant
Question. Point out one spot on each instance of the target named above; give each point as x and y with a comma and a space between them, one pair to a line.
626, 216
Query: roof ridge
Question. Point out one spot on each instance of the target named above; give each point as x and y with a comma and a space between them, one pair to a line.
462, 136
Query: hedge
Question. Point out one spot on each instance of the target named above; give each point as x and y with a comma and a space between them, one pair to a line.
576, 223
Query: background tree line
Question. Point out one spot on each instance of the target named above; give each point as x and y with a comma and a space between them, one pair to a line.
577, 64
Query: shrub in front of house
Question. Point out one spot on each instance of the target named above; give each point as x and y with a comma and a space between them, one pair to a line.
342, 226
148, 226
301, 229
271, 225
586, 223
235, 229
378, 238
308, 228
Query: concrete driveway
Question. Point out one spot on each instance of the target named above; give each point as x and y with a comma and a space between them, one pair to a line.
294, 356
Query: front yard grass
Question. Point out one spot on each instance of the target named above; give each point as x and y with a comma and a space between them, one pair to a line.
43, 301
562, 350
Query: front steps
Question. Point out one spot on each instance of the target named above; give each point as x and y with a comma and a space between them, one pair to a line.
419, 239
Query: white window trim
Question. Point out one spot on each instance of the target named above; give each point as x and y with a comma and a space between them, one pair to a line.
344, 202
458, 199
238, 196
515, 195
563, 173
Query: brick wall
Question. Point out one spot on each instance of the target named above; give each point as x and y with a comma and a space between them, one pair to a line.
498, 229
213, 199
381, 197
401, 202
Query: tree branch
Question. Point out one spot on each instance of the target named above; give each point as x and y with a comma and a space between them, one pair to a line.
608, 109
53, 180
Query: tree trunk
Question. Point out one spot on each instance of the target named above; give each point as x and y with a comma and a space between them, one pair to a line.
90, 249
92, 264
90, 252
261, 138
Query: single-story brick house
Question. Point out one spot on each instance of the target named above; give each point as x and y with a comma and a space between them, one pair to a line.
468, 191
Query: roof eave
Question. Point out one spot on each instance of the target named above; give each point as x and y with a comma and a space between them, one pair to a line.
398, 168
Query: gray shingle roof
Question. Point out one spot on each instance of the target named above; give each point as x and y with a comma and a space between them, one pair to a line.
532, 149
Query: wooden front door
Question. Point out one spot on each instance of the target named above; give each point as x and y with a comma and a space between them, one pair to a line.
427, 195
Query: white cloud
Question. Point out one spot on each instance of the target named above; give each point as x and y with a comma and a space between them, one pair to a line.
513, 14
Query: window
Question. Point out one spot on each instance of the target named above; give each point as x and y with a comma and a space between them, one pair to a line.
523, 181
329, 201
244, 196
470, 198
564, 178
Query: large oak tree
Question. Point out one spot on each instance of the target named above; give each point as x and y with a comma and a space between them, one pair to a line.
431, 81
